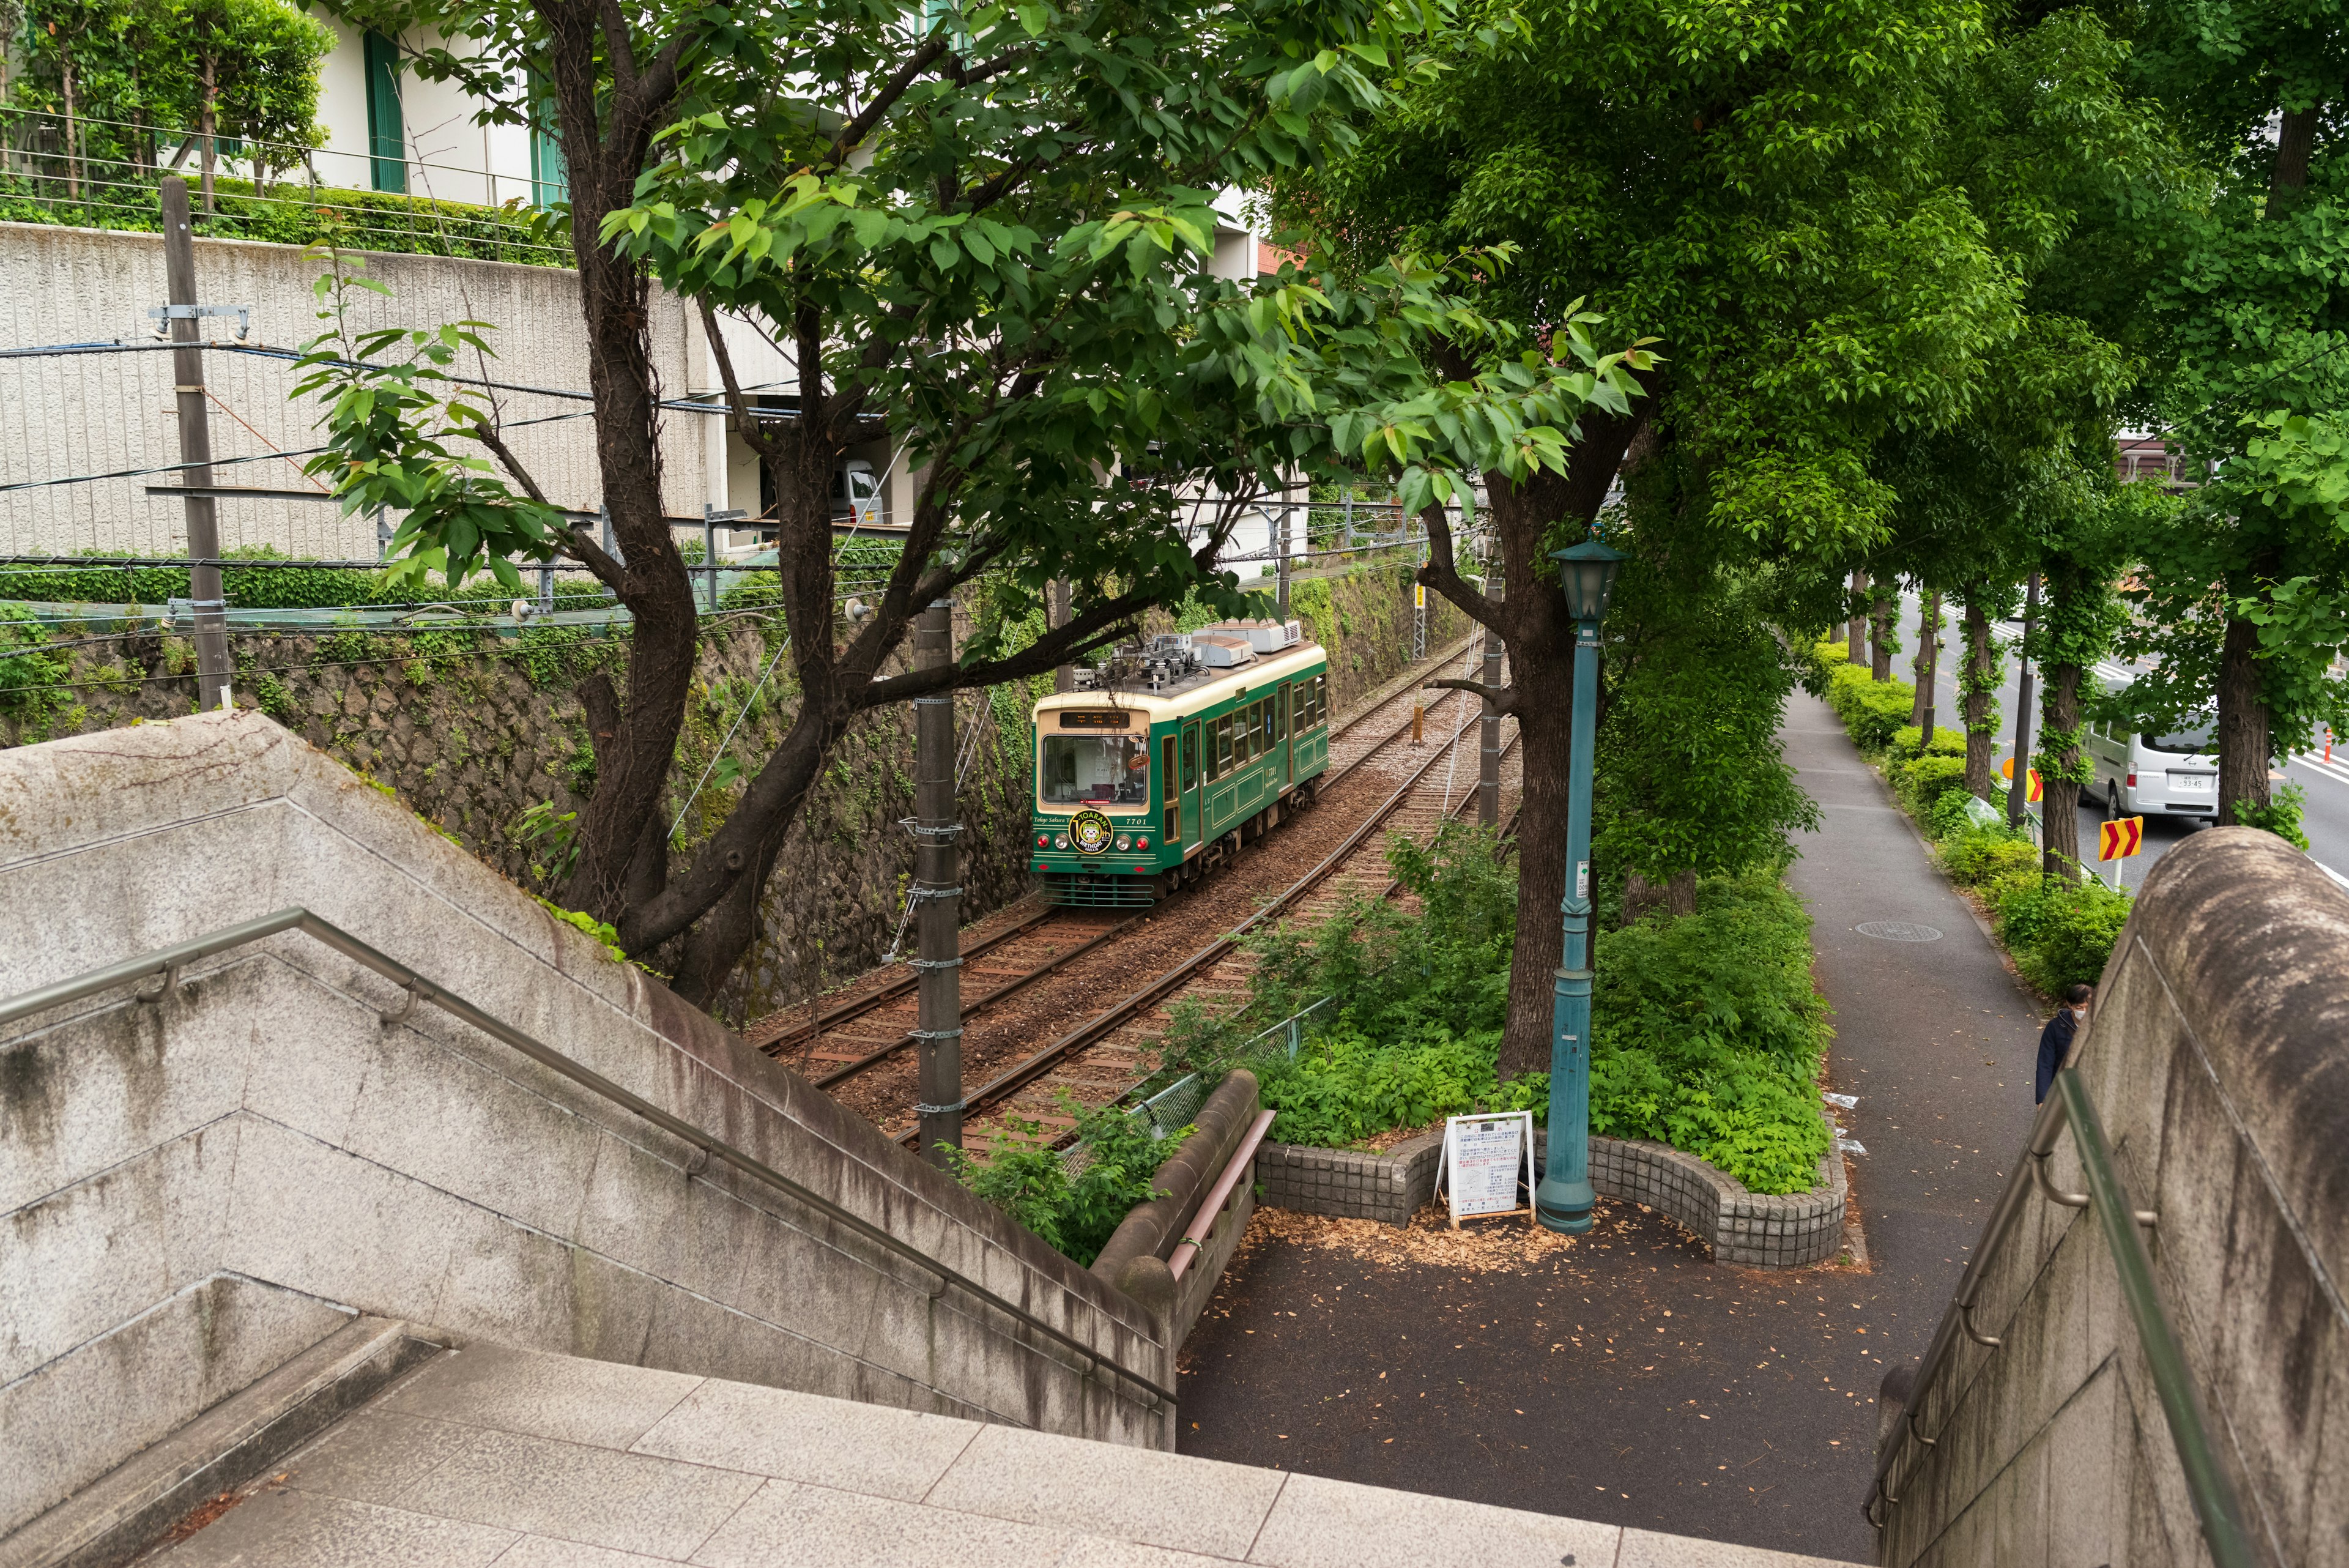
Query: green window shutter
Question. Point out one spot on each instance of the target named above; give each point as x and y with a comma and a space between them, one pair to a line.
387, 130
551, 177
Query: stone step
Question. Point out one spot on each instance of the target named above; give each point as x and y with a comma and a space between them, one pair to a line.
520, 1457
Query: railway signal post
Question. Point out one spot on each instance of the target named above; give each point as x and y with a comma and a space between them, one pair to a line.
938, 1032
1565, 1199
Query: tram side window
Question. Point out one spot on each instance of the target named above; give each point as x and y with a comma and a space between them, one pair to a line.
1300, 706
1190, 756
1320, 698
1223, 752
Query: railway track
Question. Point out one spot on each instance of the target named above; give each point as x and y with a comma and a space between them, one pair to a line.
871, 1025
1102, 1058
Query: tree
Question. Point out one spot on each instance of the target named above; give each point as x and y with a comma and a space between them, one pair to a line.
1765, 195
2252, 314
989, 237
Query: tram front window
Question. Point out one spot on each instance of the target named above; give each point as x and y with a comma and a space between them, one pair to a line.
1095, 770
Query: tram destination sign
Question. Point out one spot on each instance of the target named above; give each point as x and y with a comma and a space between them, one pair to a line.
1115, 718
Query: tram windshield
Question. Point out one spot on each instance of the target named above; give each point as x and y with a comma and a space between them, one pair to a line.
1095, 770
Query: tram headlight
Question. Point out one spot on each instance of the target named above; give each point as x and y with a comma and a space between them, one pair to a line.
1061, 841
1124, 842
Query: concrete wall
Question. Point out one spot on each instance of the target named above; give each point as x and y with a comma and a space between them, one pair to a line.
2215, 1060
101, 413
197, 1190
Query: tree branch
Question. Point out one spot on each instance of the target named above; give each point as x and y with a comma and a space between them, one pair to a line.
1443, 576
857, 129
1503, 699
755, 439
617, 47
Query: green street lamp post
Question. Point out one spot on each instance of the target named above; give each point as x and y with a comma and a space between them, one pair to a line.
1564, 1200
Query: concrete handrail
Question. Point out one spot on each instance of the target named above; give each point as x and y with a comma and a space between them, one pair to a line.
169, 962
2216, 1506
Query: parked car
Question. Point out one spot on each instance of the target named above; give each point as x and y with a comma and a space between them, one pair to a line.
2173, 774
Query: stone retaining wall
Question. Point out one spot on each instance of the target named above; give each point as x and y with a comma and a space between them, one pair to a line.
1759, 1230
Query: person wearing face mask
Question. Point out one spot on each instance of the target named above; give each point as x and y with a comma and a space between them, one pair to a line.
2055, 1040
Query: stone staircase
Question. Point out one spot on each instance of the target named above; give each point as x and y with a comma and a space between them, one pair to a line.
489, 1455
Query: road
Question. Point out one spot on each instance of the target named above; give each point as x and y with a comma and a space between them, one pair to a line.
2325, 818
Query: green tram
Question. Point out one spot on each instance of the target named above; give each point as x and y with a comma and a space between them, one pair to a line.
1196, 745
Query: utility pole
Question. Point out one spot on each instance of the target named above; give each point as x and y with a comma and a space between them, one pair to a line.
1280, 559
1488, 761
936, 874
1056, 616
213, 666
2019, 792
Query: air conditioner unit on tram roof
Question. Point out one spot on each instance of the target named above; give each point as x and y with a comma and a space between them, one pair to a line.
1220, 652
1272, 636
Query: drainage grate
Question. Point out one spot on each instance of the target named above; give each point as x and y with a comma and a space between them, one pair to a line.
1899, 931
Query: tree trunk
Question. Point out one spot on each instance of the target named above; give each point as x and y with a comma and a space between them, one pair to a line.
1879, 626
2295, 143
2244, 724
73, 167
1540, 632
210, 119
1980, 741
1930, 681
1928, 626
1854, 634
2059, 808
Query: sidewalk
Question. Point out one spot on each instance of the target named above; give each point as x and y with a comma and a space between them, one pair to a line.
1623, 1377
1937, 1038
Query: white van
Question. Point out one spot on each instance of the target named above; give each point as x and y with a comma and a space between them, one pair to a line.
2173, 774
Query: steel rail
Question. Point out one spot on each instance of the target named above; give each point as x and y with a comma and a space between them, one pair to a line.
2216, 1507
1093, 1029
972, 1009
790, 1038
170, 961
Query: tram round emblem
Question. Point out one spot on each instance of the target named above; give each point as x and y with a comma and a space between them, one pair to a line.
1089, 831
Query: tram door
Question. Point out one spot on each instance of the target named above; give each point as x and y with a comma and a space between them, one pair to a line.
1192, 825
1287, 743
1170, 792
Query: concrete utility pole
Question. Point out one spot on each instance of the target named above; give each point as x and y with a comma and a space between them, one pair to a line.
1056, 616
1280, 560
936, 874
1488, 763
213, 666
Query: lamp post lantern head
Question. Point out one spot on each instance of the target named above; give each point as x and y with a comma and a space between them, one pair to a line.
1588, 570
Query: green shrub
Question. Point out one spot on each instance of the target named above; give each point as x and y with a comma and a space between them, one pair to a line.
1921, 784
1707, 1032
1025, 1177
1874, 711
2060, 931
2279, 817
253, 587
1947, 742
1988, 856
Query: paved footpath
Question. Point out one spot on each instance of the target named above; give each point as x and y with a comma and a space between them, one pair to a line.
1623, 1377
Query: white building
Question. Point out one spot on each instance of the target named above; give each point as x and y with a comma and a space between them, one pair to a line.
387, 130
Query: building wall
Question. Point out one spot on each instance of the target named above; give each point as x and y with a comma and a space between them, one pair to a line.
98, 413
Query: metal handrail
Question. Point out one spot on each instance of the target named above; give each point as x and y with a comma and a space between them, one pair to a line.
170, 961
2216, 1506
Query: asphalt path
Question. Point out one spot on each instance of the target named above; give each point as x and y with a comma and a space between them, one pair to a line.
2324, 783
1625, 1377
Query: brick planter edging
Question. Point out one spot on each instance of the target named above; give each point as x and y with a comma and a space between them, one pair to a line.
1760, 1230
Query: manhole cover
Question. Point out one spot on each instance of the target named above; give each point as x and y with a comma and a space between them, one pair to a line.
1899, 931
